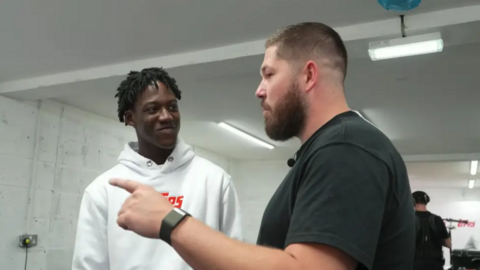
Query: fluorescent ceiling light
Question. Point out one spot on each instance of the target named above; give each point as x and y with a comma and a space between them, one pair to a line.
407, 46
244, 135
474, 167
471, 183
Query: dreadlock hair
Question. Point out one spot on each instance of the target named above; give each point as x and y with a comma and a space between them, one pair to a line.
136, 82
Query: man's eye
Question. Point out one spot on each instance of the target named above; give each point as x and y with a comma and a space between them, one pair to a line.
151, 109
173, 107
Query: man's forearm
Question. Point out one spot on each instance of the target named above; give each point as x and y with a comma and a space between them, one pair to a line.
206, 249
447, 243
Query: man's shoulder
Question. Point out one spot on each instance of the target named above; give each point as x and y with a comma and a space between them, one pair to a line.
353, 129
438, 219
209, 169
213, 174
345, 160
344, 151
101, 181
208, 165
97, 190
361, 132
429, 215
355, 133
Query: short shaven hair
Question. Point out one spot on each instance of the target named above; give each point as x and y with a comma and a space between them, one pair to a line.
309, 40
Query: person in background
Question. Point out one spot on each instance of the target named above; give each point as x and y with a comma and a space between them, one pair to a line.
148, 102
345, 204
432, 234
473, 242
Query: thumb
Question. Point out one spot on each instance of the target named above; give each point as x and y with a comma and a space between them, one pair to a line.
128, 185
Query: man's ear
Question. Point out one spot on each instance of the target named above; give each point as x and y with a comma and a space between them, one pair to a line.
310, 74
129, 118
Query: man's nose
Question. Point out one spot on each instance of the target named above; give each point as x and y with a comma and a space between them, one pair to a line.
165, 115
261, 93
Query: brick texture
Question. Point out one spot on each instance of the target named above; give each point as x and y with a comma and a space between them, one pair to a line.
57, 150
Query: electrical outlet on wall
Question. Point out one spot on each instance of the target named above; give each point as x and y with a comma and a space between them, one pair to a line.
27, 240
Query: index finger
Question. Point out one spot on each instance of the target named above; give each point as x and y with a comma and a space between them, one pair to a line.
128, 185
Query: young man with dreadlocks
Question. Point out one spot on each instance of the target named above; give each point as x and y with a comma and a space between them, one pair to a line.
148, 101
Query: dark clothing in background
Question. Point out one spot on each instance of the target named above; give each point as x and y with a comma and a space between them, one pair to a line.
438, 233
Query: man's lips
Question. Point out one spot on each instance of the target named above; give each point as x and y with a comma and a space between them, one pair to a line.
266, 113
166, 130
265, 107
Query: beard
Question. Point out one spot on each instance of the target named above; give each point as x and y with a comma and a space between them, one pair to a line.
287, 119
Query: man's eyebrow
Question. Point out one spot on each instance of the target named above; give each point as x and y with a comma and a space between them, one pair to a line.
264, 69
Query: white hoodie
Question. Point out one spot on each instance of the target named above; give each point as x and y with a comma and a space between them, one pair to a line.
193, 183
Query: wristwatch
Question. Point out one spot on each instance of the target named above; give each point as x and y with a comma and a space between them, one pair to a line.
170, 222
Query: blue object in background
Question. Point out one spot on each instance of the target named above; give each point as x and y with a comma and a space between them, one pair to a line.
399, 5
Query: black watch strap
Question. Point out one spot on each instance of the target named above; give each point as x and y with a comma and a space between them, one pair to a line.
170, 222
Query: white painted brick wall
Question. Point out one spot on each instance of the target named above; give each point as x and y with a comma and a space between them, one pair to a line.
64, 149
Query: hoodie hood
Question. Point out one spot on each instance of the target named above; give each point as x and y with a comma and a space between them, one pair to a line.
129, 157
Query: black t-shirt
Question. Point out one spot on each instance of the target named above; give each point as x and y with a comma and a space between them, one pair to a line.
441, 232
438, 234
348, 189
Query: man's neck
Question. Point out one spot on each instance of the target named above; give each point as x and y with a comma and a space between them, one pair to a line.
154, 153
322, 111
421, 208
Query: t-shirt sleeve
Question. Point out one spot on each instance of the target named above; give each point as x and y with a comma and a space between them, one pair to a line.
340, 201
442, 229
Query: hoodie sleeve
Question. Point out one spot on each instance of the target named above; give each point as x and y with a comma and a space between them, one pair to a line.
91, 250
231, 223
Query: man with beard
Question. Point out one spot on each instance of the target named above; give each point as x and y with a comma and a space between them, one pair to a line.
344, 205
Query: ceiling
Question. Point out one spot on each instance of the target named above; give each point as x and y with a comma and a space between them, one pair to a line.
77, 53
418, 102
51, 36
440, 175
